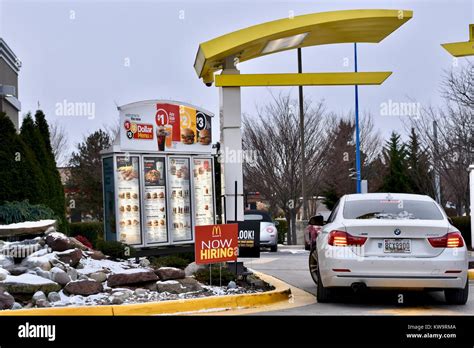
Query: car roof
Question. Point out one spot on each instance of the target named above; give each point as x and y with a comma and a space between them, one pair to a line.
386, 195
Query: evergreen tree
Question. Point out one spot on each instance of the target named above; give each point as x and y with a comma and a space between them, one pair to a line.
20, 173
86, 174
396, 179
419, 176
31, 133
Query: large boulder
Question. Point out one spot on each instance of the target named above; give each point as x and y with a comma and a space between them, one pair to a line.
3, 274
71, 257
28, 284
170, 273
98, 276
171, 286
131, 276
17, 270
84, 287
41, 259
77, 244
59, 242
6, 300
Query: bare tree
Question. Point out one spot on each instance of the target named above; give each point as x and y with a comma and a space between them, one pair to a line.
458, 85
59, 143
273, 136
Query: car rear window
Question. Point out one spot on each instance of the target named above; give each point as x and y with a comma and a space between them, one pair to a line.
257, 217
391, 209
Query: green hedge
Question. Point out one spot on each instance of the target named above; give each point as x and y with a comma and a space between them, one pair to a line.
463, 224
116, 250
282, 229
15, 212
93, 231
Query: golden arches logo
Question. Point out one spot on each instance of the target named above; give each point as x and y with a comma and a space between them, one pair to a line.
216, 232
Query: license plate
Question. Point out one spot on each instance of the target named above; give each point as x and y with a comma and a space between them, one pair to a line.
397, 246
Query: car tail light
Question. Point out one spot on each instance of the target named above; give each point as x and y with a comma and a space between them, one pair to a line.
450, 240
270, 229
341, 238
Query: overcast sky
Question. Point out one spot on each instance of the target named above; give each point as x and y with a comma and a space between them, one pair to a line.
107, 52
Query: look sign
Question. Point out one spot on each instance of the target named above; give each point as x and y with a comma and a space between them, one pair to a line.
216, 243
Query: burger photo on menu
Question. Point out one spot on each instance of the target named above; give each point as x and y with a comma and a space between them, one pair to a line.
187, 136
205, 137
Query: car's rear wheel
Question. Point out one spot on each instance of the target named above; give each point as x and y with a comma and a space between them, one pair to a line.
457, 296
274, 248
323, 294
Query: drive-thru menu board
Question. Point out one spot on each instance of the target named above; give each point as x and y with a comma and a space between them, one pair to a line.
203, 191
155, 200
180, 199
128, 190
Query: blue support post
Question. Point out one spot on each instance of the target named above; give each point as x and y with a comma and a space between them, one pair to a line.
357, 124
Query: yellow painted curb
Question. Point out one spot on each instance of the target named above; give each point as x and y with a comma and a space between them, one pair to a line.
280, 293
470, 274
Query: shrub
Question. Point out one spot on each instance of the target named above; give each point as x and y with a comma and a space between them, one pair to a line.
90, 230
463, 224
14, 212
282, 229
202, 275
116, 250
170, 261
84, 241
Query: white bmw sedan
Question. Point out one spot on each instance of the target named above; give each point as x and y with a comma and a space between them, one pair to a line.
384, 240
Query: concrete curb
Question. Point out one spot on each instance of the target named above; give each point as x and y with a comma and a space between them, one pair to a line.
212, 303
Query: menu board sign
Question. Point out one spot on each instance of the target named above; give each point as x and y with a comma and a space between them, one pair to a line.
128, 192
155, 200
180, 199
165, 127
203, 191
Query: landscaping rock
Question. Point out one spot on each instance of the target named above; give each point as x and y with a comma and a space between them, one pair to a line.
59, 276
144, 263
28, 284
119, 297
71, 257
16, 305
171, 286
255, 282
77, 244
41, 259
54, 297
170, 273
42, 303
83, 287
3, 274
41, 273
140, 292
131, 276
98, 276
192, 268
190, 284
6, 261
231, 285
96, 255
39, 295
6, 300
59, 242
17, 270
72, 273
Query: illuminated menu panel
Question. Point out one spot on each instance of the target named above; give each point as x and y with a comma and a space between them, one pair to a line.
203, 191
155, 200
180, 199
128, 192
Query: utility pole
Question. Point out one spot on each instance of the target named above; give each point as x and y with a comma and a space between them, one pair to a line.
436, 163
358, 175
303, 165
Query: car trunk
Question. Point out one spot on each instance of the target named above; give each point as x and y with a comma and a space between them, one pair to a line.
411, 241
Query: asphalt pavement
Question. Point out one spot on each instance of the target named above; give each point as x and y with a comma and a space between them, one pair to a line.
290, 264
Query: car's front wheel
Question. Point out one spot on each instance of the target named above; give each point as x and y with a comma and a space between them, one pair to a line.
323, 294
457, 296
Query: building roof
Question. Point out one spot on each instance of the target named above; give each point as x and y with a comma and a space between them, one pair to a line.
7, 54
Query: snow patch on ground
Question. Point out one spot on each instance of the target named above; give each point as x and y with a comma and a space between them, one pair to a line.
27, 279
91, 266
28, 224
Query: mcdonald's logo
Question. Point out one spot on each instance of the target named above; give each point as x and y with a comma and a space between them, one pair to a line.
216, 232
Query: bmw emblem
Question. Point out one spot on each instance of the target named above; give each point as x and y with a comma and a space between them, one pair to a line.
397, 232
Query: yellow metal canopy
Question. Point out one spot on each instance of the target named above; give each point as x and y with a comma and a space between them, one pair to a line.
462, 49
306, 79
308, 30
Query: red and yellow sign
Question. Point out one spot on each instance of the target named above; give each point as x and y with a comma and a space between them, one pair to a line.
216, 243
138, 130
